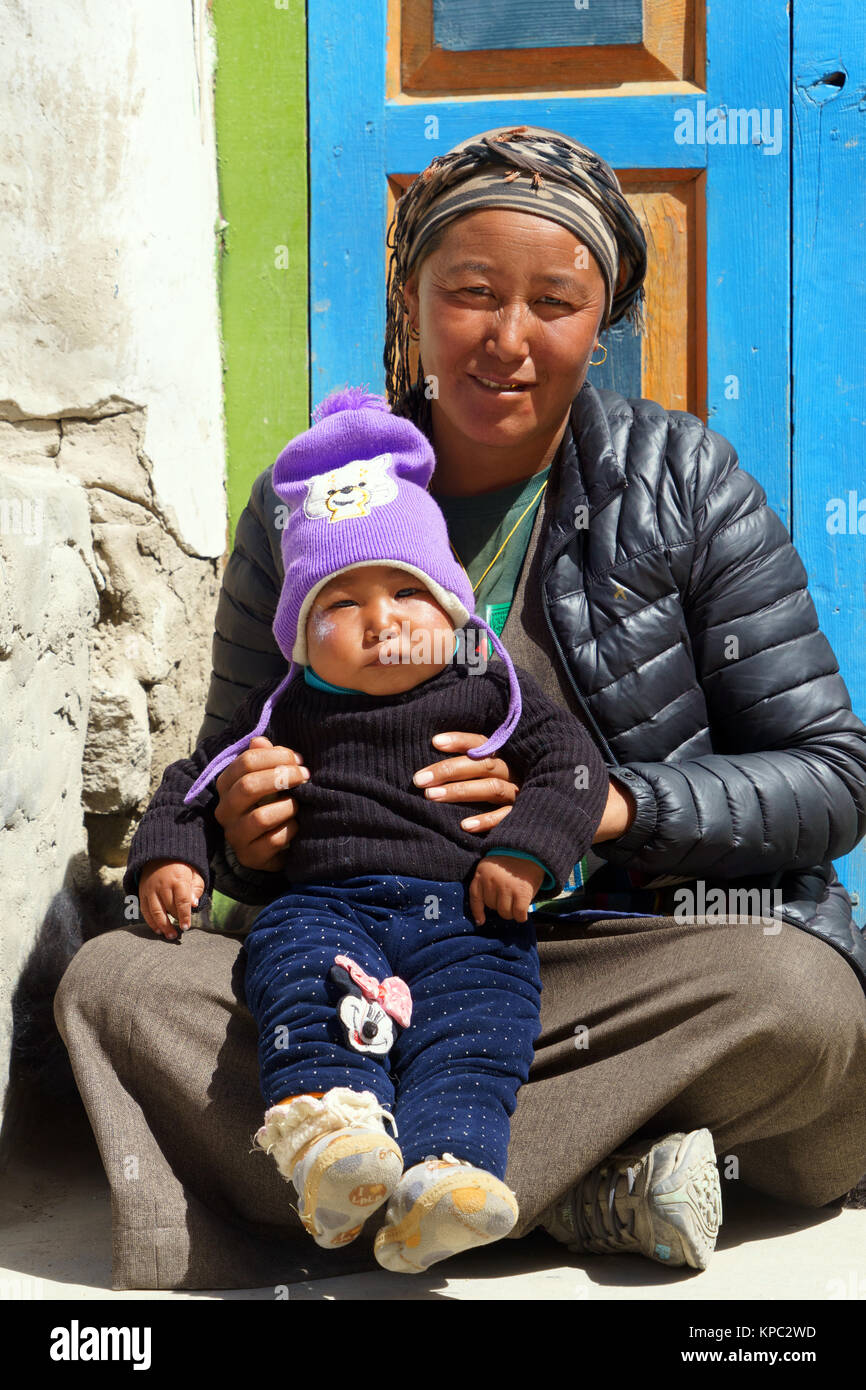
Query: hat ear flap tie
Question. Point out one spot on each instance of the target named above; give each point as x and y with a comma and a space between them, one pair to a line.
501, 735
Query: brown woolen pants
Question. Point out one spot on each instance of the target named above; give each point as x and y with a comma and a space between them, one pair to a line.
649, 1025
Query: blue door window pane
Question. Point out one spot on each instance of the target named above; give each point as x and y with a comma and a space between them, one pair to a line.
459, 25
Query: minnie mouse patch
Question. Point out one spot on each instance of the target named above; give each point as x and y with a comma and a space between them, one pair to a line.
369, 1008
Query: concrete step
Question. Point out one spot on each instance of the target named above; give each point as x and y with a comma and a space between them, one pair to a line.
55, 1241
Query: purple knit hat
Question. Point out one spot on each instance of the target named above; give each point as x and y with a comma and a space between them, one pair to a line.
355, 484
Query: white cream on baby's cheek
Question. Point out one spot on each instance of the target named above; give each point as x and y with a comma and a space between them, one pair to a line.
322, 624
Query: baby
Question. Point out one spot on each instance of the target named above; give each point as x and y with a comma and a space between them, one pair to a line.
396, 980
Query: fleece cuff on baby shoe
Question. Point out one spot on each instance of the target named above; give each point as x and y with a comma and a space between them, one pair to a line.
289, 1129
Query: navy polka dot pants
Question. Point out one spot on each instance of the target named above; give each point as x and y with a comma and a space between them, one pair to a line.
451, 1078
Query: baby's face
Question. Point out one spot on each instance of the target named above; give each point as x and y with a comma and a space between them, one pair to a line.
377, 628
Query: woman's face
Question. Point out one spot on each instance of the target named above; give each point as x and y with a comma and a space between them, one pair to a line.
377, 628
506, 297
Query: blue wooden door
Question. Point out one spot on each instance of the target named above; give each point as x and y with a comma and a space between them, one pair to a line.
697, 113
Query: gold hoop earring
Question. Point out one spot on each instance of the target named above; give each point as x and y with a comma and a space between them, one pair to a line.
601, 360
414, 336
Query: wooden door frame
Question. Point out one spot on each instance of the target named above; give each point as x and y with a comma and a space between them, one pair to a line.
755, 325
358, 136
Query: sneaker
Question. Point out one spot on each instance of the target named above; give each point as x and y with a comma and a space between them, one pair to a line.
439, 1208
339, 1157
664, 1202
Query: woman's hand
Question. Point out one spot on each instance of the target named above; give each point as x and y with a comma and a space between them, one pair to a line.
257, 820
618, 814
468, 779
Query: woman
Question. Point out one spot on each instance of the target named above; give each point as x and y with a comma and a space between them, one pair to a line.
651, 591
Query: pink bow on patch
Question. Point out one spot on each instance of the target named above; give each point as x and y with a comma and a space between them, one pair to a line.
391, 994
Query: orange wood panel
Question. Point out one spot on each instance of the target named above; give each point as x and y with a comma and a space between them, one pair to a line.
666, 203
672, 51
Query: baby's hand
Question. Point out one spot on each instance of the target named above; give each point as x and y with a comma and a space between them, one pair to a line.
168, 885
505, 884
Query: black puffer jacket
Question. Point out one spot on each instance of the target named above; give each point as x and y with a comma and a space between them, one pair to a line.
681, 612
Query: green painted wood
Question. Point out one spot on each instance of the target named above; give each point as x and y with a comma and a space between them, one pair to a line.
261, 126
829, 347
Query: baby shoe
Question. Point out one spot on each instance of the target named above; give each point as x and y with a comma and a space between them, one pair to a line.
338, 1155
440, 1207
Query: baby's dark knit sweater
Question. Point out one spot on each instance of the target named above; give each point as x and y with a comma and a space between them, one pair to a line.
361, 813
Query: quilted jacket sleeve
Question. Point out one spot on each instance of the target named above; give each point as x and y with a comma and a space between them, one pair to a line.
785, 787
244, 653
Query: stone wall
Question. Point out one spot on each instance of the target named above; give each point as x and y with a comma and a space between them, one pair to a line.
112, 467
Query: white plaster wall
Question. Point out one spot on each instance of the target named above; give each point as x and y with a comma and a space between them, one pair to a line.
111, 432
108, 211
48, 601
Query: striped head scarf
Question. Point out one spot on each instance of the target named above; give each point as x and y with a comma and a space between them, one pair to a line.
527, 169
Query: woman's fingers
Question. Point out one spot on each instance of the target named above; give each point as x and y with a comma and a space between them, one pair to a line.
269, 787
267, 851
468, 788
456, 743
459, 778
486, 820
263, 818
255, 810
260, 771
457, 740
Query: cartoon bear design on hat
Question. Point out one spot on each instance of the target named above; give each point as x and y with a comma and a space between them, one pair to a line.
351, 490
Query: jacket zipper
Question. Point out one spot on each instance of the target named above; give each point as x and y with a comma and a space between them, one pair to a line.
614, 761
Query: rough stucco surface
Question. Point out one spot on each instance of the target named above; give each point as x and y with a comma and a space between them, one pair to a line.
108, 181
112, 476
48, 601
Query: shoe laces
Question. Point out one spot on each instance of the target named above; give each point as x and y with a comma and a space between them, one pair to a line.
591, 1207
